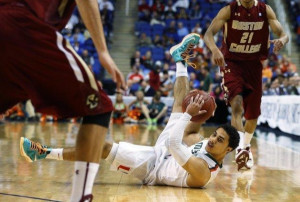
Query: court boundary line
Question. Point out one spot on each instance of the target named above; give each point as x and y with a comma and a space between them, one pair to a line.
31, 197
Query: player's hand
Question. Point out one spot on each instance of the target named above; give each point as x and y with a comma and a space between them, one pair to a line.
278, 44
218, 58
113, 70
195, 105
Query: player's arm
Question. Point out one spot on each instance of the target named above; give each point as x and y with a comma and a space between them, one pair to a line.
215, 26
276, 29
89, 12
191, 133
181, 153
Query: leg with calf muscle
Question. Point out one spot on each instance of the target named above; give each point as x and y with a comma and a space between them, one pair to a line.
181, 87
237, 111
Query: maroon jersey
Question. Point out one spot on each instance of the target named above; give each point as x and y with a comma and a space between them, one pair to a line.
53, 12
246, 33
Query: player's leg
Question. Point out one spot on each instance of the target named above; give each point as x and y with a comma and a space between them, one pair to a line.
179, 53
33, 151
44, 80
233, 85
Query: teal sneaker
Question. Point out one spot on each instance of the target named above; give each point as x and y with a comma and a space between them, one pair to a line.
180, 52
33, 151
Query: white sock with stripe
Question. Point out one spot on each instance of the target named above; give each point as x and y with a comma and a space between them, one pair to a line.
247, 140
181, 70
241, 143
56, 154
83, 180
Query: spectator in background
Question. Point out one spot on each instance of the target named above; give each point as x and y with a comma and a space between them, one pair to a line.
120, 110
266, 72
197, 29
280, 88
135, 113
166, 84
143, 6
133, 80
154, 79
157, 19
144, 40
182, 15
170, 10
194, 83
146, 88
107, 20
181, 30
107, 4
156, 111
136, 58
147, 60
221, 112
158, 7
87, 58
167, 58
217, 80
195, 12
78, 36
157, 41
292, 86
207, 83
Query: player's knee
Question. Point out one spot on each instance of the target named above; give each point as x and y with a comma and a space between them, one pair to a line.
99, 119
237, 105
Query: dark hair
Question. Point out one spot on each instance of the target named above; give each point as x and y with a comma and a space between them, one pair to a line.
234, 137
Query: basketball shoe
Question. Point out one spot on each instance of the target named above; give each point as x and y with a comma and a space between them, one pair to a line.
33, 151
180, 52
241, 158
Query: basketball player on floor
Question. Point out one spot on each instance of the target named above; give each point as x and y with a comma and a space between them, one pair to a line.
37, 63
175, 159
246, 41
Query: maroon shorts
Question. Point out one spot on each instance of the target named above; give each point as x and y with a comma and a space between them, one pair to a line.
244, 78
37, 63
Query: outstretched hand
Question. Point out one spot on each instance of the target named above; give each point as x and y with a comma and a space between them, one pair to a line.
113, 70
195, 105
278, 44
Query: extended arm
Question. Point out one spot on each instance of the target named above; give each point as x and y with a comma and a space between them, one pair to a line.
277, 29
217, 23
197, 168
89, 12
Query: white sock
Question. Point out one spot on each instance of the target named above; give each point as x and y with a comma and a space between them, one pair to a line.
181, 70
56, 154
241, 143
112, 154
83, 180
247, 140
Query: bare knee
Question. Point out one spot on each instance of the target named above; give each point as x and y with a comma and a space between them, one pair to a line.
106, 150
237, 105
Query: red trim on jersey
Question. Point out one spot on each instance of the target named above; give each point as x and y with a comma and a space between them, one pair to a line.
214, 168
123, 167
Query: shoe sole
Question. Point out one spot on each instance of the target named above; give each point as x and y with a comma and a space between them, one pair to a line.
23, 152
173, 48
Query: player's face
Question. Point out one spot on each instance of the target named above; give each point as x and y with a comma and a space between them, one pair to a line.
218, 142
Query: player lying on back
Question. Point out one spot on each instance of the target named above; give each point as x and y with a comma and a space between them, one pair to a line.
178, 157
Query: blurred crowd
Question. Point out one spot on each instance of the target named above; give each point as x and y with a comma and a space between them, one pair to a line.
162, 24
294, 14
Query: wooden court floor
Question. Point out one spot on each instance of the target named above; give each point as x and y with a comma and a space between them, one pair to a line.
275, 177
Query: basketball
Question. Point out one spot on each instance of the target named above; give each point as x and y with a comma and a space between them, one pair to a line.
209, 105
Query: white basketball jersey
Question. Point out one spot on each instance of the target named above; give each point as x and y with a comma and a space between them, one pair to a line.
168, 172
